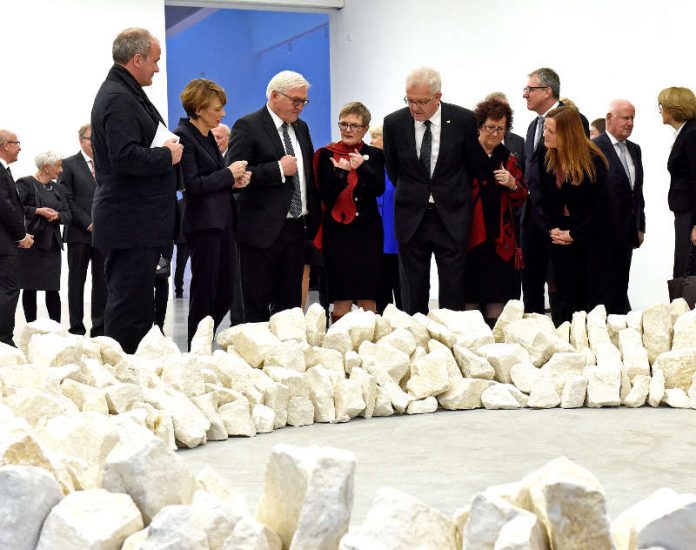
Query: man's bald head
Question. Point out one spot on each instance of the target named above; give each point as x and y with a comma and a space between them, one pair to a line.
222, 136
620, 118
9, 146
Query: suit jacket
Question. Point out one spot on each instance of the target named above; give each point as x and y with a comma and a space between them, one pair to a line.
450, 185
207, 182
627, 205
535, 168
77, 185
12, 224
34, 195
262, 206
682, 169
135, 200
515, 145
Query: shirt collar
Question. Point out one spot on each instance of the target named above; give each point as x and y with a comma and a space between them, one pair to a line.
4, 164
276, 119
84, 156
613, 140
680, 129
550, 109
436, 119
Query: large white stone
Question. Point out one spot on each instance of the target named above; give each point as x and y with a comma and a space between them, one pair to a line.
143, 371
40, 326
524, 376
422, 406
574, 392
111, 351
678, 367
202, 341
533, 335
563, 365
10, 355
563, 331
368, 383
544, 395
155, 344
676, 398
633, 354
94, 519
208, 480
499, 396
634, 320
315, 319
252, 535
657, 330
158, 422
185, 375
289, 324
207, 404
513, 310
570, 502
359, 324
429, 375
383, 404
217, 517
615, 324
321, 391
289, 354
603, 386
437, 331
383, 359
250, 340
300, 411
329, 358
14, 377
52, 350
382, 328
34, 405
656, 389
348, 399
677, 308
237, 418
578, 330
176, 527
473, 365
400, 338
351, 360
399, 319
502, 357
86, 398
308, 495
120, 396
293, 380
190, 424
469, 327
27, 495
398, 520
523, 532
639, 392
463, 394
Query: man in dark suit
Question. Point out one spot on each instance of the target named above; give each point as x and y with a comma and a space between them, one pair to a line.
78, 183
134, 211
542, 93
429, 149
279, 209
13, 235
625, 183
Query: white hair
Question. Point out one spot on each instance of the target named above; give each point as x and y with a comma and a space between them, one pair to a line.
425, 75
376, 130
616, 104
284, 81
47, 158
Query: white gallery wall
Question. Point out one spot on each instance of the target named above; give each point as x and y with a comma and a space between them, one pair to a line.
600, 49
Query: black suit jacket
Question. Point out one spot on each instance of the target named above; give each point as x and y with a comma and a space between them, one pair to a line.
627, 205
135, 200
12, 224
535, 168
262, 206
515, 145
45, 232
682, 169
450, 184
208, 202
77, 185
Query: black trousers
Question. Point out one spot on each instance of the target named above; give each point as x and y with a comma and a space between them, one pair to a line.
161, 297
272, 277
182, 256
52, 304
620, 264
431, 238
130, 308
682, 243
536, 245
391, 285
9, 296
79, 257
212, 276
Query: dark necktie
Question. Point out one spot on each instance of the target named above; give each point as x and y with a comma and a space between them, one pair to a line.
426, 148
9, 171
296, 199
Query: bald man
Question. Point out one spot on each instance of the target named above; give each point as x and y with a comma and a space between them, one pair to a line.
222, 137
625, 182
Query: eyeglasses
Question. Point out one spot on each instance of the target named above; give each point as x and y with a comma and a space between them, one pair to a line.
86, 138
418, 102
344, 126
494, 129
659, 108
296, 101
15, 142
528, 89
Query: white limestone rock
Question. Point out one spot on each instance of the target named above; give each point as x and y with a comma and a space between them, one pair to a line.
472, 365
513, 311
34, 405
429, 375
263, 418
158, 422
351, 360
502, 357
120, 396
300, 411
143, 371
665, 519
499, 396
251, 535
111, 351
294, 381
676, 398
634, 320
469, 327
544, 395
615, 324
399, 319
155, 344
603, 386
563, 331
382, 328
358, 324
448, 359
27, 495
574, 392
315, 320
210, 481
321, 391
202, 341
382, 360
597, 317
533, 335
368, 383
398, 520
10, 355
329, 358
677, 308
14, 377
657, 330
289, 324
190, 424
437, 331
634, 356
684, 331
218, 518
563, 365
40, 326
422, 406
94, 518
53, 350
524, 376
678, 367
657, 388
348, 400
383, 404
176, 527
135, 541
308, 495
639, 392
207, 404
184, 374
86, 398
578, 330
570, 502
523, 532
237, 418
276, 397
400, 338
463, 394
252, 341
289, 354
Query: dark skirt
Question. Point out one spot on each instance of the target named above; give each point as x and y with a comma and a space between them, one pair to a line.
353, 258
39, 269
488, 278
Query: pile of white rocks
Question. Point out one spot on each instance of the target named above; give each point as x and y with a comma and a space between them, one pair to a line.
88, 433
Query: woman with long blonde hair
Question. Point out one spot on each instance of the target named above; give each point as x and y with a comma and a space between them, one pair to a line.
577, 203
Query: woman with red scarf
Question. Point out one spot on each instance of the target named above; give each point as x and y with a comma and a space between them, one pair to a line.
350, 177
497, 189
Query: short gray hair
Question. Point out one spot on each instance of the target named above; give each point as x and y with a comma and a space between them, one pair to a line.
376, 130
284, 81
425, 75
47, 158
500, 96
5, 136
83, 130
129, 42
549, 77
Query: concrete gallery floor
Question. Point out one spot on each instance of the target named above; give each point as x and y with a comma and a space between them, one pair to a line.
446, 457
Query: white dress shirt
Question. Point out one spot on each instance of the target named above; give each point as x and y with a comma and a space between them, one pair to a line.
629, 158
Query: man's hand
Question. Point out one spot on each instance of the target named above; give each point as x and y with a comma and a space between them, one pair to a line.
289, 165
238, 168
26, 242
176, 149
641, 237
559, 236
90, 227
47, 213
242, 181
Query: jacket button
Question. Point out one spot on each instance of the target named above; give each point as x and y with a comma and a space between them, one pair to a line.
357, 214
356, 199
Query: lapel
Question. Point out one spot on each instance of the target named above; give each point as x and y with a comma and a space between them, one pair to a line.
445, 135
677, 142
86, 172
204, 142
304, 147
613, 158
272, 132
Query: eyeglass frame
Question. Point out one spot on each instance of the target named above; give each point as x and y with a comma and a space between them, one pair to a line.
11, 141
351, 127
528, 89
495, 129
418, 102
296, 101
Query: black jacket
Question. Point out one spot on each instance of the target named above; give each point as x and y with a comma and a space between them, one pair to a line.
77, 185
12, 224
682, 169
45, 232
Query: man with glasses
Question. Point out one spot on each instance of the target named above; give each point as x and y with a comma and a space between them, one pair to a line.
542, 93
78, 181
430, 149
279, 209
13, 236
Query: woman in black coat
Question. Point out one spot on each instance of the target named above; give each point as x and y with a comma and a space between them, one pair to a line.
678, 109
45, 209
209, 218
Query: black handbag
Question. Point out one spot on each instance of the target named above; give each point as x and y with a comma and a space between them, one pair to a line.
163, 269
684, 286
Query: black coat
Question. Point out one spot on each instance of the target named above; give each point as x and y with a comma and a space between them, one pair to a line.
450, 184
135, 200
208, 202
45, 233
627, 205
12, 225
262, 206
77, 185
682, 169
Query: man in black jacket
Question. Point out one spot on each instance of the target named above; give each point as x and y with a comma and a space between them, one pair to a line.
134, 211
13, 235
78, 183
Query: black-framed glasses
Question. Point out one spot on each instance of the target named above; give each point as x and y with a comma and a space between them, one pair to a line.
492, 129
528, 89
417, 102
296, 101
345, 126
15, 142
